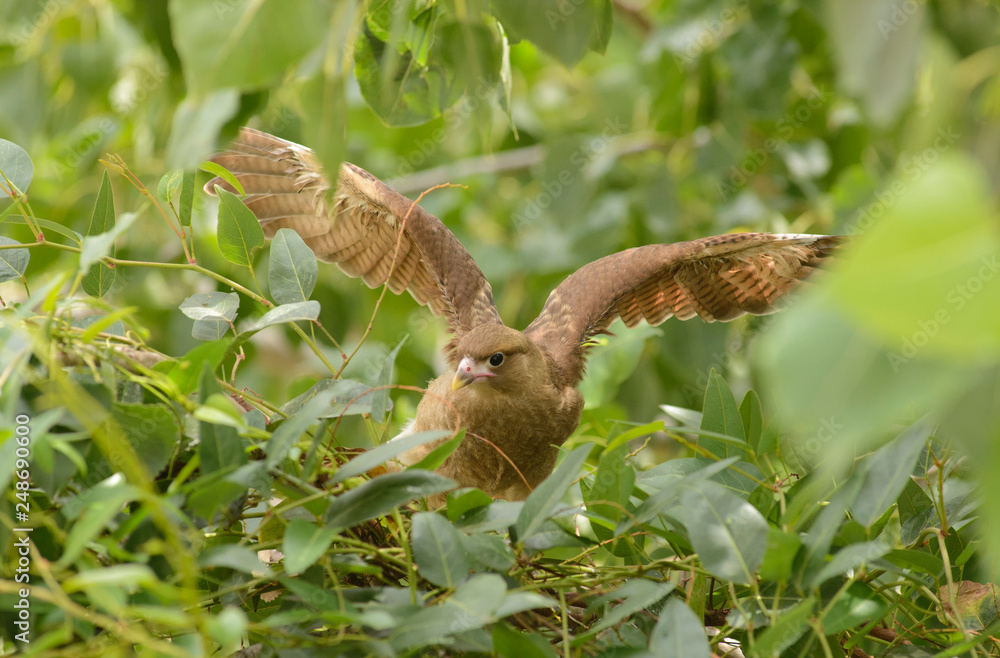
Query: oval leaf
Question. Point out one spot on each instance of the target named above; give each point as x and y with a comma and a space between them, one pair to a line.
213, 313
211, 306
13, 262
547, 495
721, 415
292, 269
16, 167
728, 533
369, 459
304, 543
437, 550
382, 495
239, 232
294, 312
679, 632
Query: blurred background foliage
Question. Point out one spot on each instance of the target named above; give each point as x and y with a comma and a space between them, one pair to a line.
642, 122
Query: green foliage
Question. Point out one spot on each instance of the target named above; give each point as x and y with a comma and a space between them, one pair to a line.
240, 234
292, 268
193, 473
100, 276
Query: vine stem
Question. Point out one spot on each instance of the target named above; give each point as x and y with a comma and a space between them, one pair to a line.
567, 649
952, 592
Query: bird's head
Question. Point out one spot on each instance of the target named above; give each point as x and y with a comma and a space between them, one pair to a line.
497, 358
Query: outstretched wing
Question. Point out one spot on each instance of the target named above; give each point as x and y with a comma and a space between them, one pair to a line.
716, 278
357, 227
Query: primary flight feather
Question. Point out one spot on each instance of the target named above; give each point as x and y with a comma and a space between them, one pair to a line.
514, 392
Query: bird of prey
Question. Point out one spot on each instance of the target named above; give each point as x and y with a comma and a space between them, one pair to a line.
514, 392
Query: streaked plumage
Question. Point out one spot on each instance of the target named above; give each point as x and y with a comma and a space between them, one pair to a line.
526, 406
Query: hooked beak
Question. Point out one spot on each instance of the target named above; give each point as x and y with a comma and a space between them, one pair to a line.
469, 371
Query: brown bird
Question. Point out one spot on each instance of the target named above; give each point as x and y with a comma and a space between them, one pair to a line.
515, 392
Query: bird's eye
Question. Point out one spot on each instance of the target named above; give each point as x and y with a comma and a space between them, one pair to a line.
496, 359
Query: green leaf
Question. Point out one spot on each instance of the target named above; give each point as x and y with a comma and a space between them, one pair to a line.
213, 313
13, 262
817, 541
849, 558
554, 535
856, 606
728, 533
613, 483
863, 360
753, 420
380, 400
466, 500
547, 495
401, 91
325, 93
218, 409
670, 490
227, 628
949, 306
437, 550
636, 595
186, 370
487, 552
382, 495
219, 448
349, 398
294, 312
916, 512
292, 429
304, 543
472, 606
95, 247
232, 556
564, 30
100, 505
510, 643
47, 226
16, 167
440, 453
789, 627
244, 44
887, 472
223, 173
721, 415
470, 49
920, 561
99, 277
877, 53
779, 555
153, 430
609, 496
187, 197
169, 183
196, 126
125, 576
292, 269
679, 632
516, 602
371, 458
239, 232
